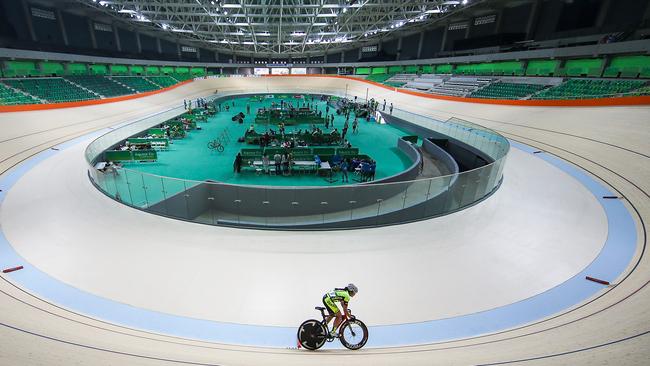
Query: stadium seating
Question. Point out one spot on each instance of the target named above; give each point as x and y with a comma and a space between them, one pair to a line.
444, 69
166, 70
379, 78
118, 70
501, 90
152, 70
542, 67
460, 86
583, 88
197, 71
54, 90
491, 68
409, 69
97, 69
137, 83
136, 70
644, 90
9, 96
163, 81
362, 71
52, 69
182, 77
76, 69
584, 67
100, 85
628, 67
400, 80
19, 68
425, 82
445, 85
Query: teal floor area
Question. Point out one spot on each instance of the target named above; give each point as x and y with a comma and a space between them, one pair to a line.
191, 159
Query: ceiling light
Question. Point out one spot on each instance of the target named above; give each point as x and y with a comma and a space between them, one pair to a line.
127, 11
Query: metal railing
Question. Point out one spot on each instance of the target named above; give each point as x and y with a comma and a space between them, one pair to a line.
300, 207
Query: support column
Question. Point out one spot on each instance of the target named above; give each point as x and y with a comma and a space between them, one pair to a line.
64, 34
420, 44
399, 49
444, 38
137, 42
602, 13
497, 27
158, 46
533, 19
117, 38
28, 18
91, 29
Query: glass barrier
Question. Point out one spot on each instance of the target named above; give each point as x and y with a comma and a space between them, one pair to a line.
300, 207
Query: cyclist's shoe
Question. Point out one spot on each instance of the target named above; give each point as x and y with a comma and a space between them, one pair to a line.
334, 334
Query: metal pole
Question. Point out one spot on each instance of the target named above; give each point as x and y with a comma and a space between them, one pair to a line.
366, 95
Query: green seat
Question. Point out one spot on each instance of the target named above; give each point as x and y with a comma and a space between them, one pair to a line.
100, 85
19, 68
362, 71
162, 81
53, 90
580, 89
584, 67
137, 83
379, 78
542, 67
628, 66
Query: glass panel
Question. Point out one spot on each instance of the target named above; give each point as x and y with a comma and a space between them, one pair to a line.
134, 188
154, 190
210, 203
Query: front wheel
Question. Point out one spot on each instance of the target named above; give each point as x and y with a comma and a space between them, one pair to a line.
312, 334
354, 334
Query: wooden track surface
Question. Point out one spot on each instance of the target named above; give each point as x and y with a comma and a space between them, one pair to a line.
611, 143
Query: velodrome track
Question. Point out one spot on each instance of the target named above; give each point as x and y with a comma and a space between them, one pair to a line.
611, 143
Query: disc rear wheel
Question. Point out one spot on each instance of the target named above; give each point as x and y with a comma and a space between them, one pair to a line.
312, 334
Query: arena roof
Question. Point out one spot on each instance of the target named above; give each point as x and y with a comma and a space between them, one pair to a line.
286, 27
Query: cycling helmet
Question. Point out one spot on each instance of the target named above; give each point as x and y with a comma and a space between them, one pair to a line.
352, 289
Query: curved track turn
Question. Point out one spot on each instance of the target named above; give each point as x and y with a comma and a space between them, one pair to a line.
611, 143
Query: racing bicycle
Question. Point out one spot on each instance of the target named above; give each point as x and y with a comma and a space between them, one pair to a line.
216, 145
313, 333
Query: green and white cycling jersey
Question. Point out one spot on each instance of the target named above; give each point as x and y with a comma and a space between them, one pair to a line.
339, 295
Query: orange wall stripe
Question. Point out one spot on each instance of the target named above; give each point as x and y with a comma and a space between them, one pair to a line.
37, 107
593, 102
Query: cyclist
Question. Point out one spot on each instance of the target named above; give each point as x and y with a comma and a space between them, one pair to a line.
342, 296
